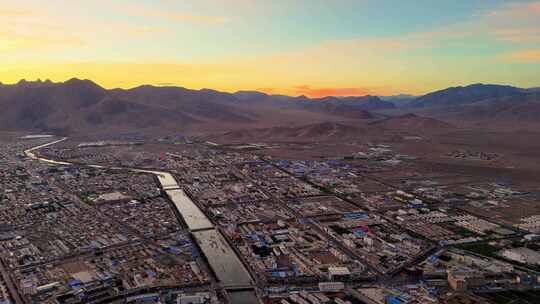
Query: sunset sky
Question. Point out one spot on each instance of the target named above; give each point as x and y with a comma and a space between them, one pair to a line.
310, 47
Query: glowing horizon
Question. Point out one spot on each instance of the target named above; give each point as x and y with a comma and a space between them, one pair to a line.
295, 48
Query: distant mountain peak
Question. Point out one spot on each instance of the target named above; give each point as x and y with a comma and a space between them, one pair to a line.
250, 95
409, 115
464, 95
77, 81
23, 83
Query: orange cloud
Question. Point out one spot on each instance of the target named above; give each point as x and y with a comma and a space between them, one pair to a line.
323, 92
518, 35
525, 56
128, 75
518, 9
516, 22
316, 92
12, 41
27, 30
270, 91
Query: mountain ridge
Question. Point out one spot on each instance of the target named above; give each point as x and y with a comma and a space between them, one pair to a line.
464, 95
81, 105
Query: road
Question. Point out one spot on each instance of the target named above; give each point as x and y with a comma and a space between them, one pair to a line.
9, 283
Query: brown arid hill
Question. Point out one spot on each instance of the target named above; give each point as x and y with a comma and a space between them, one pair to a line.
326, 132
47, 106
413, 123
388, 129
81, 106
203, 105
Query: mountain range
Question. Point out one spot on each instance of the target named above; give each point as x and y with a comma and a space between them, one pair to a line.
464, 95
480, 104
82, 106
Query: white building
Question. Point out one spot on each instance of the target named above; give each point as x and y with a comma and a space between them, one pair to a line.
523, 255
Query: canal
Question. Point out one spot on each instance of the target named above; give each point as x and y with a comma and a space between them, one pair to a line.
226, 265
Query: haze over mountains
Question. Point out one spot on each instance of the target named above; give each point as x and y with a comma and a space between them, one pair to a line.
77, 106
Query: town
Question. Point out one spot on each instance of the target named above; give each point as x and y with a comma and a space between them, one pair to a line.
142, 221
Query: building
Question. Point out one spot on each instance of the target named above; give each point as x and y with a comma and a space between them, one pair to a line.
522, 255
339, 273
331, 286
462, 279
